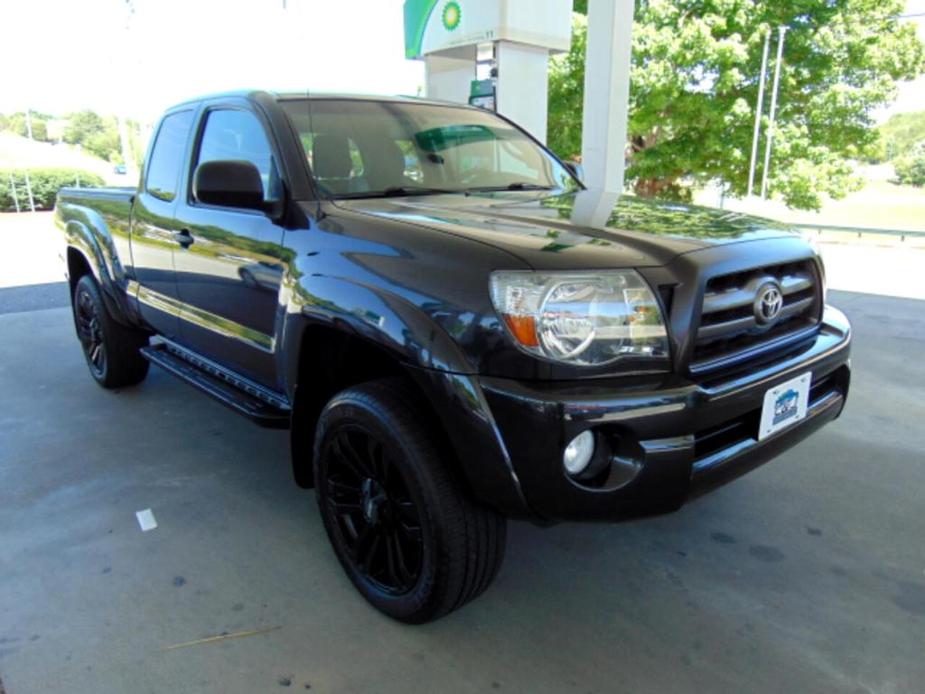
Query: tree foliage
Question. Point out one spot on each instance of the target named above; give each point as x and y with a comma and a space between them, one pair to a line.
694, 84
901, 133
94, 133
566, 91
16, 123
97, 135
910, 168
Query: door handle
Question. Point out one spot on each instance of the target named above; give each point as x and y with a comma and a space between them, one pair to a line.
183, 237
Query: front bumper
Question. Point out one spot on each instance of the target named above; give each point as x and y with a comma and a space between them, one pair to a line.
664, 440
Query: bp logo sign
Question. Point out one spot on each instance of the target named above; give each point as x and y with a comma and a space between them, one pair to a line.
452, 14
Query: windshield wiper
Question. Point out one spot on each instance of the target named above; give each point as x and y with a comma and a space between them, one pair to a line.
419, 190
517, 185
397, 191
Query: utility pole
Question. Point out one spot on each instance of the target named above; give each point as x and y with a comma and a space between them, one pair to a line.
767, 150
13, 191
29, 190
28, 123
759, 107
127, 157
125, 144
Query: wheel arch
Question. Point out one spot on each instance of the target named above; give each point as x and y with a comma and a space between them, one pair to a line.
77, 267
89, 250
328, 345
84, 254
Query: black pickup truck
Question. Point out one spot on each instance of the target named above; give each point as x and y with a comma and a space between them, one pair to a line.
454, 330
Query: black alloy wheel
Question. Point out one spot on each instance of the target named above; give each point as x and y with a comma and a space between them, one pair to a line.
112, 350
369, 505
90, 331
403, 525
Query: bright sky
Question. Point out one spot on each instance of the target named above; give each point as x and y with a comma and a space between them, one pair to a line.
62, 55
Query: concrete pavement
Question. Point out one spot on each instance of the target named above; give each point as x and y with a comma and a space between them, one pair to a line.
34, 297
807, 575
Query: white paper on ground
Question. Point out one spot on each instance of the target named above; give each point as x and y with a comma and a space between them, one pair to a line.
146, 520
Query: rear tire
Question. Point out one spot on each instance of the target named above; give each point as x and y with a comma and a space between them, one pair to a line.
111, 349
409, 536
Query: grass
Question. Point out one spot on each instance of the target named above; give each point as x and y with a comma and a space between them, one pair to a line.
879, 204
20, 153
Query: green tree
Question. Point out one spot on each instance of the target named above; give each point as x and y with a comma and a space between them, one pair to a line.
16, 123
694, 83
93, 132
566, 92
901, 133
910, 168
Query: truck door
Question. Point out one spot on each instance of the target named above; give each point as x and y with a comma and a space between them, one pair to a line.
229, 275
155, 234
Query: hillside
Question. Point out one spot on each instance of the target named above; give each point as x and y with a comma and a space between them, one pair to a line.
18, 152
901, 132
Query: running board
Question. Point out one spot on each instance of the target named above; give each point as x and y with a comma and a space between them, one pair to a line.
242, 395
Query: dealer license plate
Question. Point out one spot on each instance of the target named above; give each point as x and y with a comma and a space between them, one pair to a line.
784, 405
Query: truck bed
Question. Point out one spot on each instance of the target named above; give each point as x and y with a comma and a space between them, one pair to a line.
115, 193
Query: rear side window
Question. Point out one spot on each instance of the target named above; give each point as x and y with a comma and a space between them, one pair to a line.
232, 134
162, 177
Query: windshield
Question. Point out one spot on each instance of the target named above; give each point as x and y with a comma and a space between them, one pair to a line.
358, 148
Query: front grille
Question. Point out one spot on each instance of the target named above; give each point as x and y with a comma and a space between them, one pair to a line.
731, 329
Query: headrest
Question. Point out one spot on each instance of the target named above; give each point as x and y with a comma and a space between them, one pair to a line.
331, 156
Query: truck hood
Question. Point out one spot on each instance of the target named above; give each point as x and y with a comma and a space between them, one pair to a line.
582, 230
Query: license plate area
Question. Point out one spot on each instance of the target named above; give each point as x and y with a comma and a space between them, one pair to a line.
784, 405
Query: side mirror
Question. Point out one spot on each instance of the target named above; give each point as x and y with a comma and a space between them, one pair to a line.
229, 184
577, 170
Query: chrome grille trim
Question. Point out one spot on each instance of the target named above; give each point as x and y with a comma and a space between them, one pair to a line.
725, 300
731, 331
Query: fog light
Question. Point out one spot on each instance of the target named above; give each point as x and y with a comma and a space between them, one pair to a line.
578, 453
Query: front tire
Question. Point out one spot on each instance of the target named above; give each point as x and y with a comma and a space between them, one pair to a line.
111, 349
410, 538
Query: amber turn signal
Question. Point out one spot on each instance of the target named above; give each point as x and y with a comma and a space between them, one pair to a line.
523, 328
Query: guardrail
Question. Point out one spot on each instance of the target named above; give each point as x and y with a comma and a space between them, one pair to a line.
901, 233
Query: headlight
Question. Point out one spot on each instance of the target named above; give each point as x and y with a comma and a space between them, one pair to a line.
581, 318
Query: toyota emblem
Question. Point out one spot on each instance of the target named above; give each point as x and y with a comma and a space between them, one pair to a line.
768, 303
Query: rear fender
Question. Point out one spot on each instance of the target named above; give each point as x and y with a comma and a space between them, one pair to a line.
86, 232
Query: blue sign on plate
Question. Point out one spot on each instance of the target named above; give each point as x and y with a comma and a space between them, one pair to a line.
784, 405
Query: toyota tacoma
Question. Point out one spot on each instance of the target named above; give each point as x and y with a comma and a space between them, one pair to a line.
454, 329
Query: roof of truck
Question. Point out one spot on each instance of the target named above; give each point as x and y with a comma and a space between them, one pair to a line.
288, 95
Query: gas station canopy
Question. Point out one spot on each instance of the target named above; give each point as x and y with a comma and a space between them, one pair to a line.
517, 36
514, 39
432, 26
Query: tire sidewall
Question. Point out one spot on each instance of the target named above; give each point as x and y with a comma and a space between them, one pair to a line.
87, 285
410, 458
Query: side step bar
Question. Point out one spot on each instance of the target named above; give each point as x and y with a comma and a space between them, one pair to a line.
242, 395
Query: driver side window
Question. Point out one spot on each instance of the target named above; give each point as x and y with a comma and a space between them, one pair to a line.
233, 134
